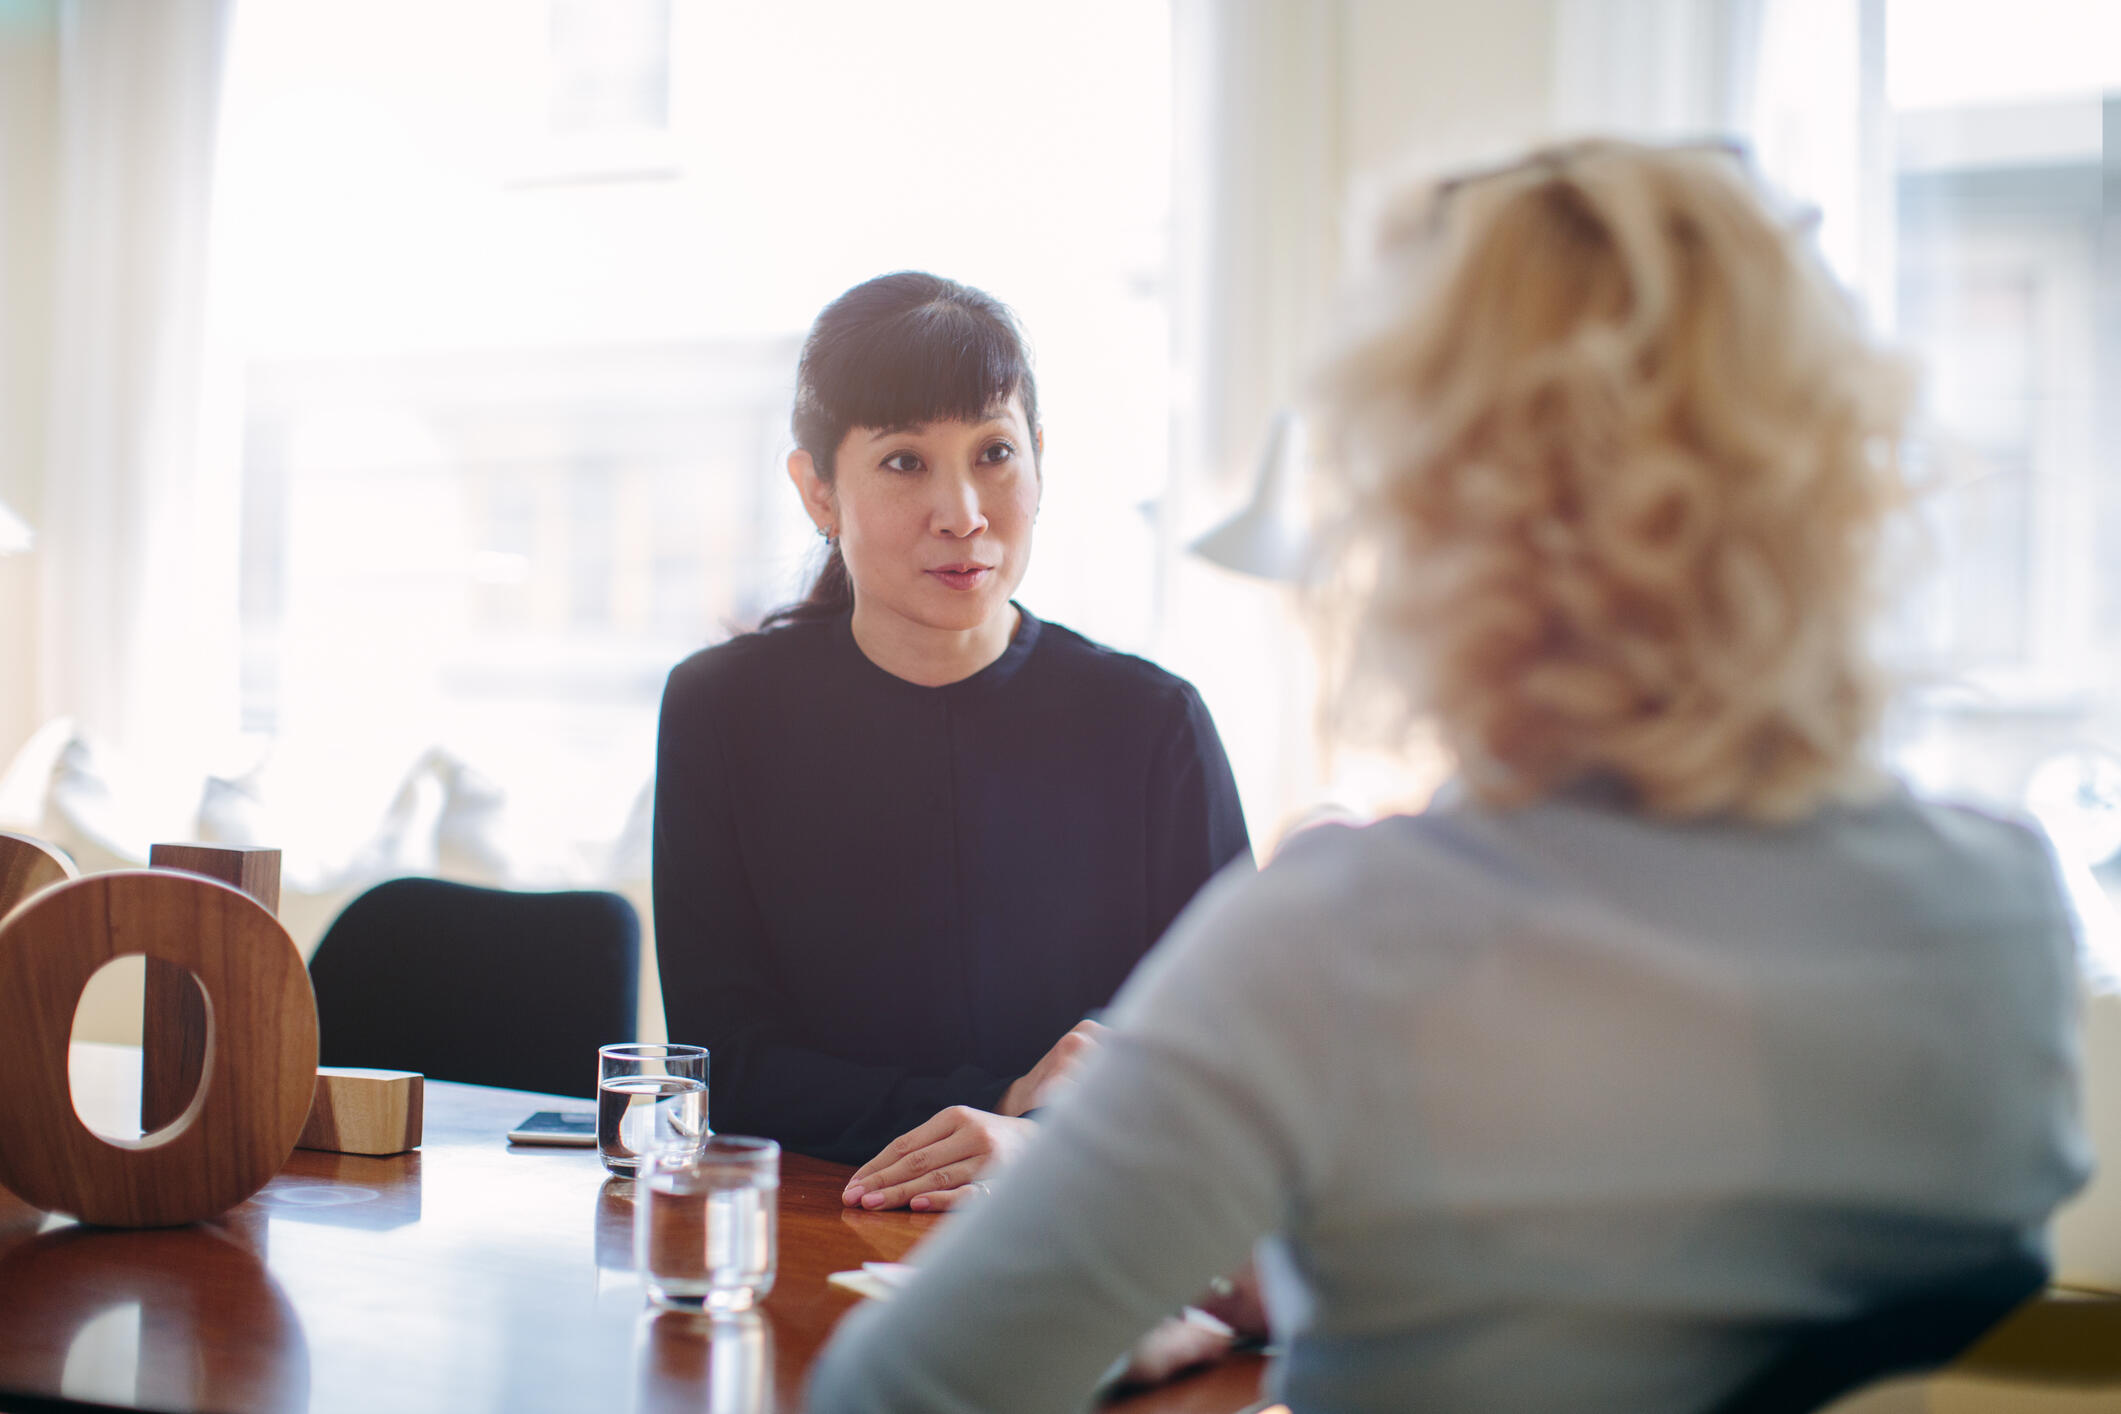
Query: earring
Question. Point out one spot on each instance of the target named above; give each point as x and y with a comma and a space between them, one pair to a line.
830, 537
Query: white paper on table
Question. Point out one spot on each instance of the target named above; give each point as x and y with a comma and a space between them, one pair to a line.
875, 1281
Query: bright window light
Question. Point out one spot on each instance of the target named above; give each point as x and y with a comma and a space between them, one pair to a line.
517, 288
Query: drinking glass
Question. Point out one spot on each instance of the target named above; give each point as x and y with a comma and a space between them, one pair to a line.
649, 1096
706, 1223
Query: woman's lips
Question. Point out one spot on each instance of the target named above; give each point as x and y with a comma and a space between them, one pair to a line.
963, 576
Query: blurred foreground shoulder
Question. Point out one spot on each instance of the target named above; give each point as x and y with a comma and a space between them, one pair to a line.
2008, 847
1990, 864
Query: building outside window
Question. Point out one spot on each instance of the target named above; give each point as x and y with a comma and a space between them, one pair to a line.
2006, 283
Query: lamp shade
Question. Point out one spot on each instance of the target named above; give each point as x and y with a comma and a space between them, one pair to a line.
1270, 537
15, 534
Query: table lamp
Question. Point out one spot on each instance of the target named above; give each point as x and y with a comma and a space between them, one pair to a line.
1270, 537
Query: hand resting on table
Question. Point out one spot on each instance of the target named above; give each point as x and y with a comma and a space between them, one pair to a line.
936, 1165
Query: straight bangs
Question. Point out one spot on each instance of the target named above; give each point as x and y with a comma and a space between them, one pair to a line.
937, 362
897, 352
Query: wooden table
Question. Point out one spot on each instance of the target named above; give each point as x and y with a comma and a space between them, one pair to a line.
469, 1275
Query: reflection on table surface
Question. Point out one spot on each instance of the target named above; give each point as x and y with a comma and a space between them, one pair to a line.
190, 1317
703, 1364
471, 1274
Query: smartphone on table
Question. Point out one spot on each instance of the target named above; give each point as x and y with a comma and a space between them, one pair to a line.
573, 1129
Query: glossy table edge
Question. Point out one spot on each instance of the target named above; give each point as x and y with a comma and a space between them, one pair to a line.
464, 1145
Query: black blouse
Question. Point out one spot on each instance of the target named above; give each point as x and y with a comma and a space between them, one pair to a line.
874, 900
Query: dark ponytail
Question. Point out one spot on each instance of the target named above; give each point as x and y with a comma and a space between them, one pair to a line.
831, 593
898, 351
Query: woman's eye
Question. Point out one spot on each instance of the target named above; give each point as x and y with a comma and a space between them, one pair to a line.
998, 452
902, 461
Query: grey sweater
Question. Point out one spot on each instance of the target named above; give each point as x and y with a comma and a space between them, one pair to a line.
1560, 1108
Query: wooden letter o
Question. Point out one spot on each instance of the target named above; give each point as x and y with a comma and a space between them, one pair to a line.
28, 865
261, 1050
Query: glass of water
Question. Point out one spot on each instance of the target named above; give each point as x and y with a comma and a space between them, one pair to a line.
706, 1223
649, 1096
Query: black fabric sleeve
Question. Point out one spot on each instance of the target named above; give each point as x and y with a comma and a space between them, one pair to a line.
1196, 825
722, 989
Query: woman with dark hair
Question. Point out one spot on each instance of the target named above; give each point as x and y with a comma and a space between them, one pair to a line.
908, 837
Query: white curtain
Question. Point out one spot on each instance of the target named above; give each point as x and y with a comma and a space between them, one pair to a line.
136, 528
1657, 69
1261, 181
1261, 185
1818, 122
1801, 81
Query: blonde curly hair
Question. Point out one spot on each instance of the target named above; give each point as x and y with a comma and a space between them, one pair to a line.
1611, 454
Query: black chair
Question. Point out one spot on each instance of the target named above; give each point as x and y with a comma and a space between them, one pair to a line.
485, 986
1916, 1333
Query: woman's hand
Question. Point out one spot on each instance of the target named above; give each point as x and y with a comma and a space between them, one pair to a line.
937, 1165
1235, 1301
1227, 1312
1055, 1069
1173, 1346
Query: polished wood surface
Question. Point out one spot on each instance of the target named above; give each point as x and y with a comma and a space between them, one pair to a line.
364, 1111
261, 1063
28, 865
468, 1275
173, 1014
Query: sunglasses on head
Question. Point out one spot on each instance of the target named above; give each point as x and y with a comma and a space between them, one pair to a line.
1556, 161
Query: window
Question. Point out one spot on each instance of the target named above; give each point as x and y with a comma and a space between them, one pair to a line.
2006, 242
517, 292
610, 66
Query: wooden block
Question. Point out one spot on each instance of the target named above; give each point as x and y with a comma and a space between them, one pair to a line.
261, 1072
364, 1111
28, 865
172, 1044
172, 1017
255, 869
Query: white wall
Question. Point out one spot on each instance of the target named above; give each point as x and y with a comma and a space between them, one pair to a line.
1298, 107
1435, 84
